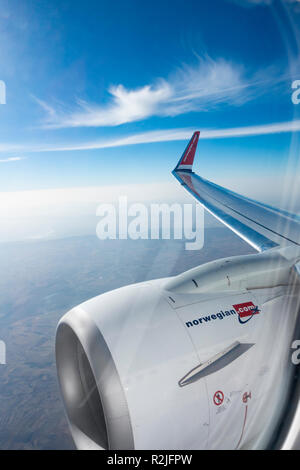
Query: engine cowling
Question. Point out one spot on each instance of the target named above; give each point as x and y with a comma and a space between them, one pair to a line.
118, 358
121, 357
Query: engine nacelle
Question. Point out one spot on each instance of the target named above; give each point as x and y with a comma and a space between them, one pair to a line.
119, 356
122, 358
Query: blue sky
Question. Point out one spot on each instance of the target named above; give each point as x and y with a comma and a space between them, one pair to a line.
84, 77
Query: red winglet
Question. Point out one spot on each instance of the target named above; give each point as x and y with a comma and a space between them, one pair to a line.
187, 159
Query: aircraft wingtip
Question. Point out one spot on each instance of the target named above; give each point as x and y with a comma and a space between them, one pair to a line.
187, 159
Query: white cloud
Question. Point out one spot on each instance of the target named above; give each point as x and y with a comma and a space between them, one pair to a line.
206, 85
65, 212
72, 211
264, 129
166, 135
190, 88
10, 159
125, 106
251, 3
182, 134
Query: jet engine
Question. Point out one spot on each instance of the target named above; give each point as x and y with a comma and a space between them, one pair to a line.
197, 361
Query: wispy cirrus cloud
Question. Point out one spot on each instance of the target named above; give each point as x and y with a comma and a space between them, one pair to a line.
200, 87
166, 135
294, 4
10, 159
252, 2
124, 106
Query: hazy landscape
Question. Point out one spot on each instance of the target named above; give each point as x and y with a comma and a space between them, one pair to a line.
40, 281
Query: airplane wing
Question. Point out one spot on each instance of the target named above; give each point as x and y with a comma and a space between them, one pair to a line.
260, 225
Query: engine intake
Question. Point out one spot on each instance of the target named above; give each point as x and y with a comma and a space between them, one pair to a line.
90, 386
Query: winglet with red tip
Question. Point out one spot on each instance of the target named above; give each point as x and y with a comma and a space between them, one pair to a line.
187, 159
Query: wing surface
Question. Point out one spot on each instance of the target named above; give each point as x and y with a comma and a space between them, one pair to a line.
262, 226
